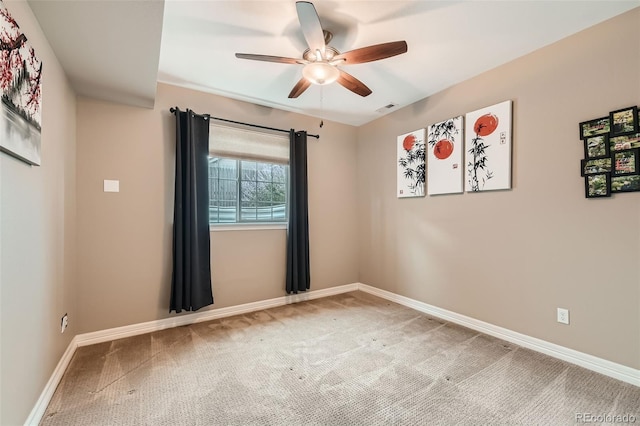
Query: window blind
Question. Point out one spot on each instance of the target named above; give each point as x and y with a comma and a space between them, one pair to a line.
227, 141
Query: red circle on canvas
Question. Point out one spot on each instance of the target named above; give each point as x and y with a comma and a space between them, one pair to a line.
408, 142
485, 125
443, 149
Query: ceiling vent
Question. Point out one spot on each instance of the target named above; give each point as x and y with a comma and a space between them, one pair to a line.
387, 107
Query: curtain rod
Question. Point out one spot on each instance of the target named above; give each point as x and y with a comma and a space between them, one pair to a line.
172, 110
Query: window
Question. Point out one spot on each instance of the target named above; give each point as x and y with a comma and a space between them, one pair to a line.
248, 176
259, 188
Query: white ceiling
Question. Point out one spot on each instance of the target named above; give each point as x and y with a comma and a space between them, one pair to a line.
108, 49
116, 50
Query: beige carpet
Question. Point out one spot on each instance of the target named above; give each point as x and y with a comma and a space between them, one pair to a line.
351, 359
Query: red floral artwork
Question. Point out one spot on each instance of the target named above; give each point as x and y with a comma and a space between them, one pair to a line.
20, 71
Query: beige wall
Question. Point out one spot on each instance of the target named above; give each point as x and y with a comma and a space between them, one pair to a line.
37, 244
508, 258
124, 239
511, 258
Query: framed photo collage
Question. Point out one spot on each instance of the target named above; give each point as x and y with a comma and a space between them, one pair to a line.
611, 161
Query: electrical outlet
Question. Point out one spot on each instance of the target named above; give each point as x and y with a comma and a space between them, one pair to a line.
64, 322
563, 316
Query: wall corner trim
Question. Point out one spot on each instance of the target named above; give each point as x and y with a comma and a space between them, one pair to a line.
590, 362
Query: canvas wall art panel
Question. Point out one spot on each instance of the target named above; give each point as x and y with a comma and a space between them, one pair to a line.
21, 87
411, 164
445, 156
488, 148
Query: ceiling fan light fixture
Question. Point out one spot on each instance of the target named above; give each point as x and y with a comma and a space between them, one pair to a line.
320, 73
321, 61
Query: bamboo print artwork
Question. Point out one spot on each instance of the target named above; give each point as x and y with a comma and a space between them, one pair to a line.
488, 148
411, 164
484, 126
444, 157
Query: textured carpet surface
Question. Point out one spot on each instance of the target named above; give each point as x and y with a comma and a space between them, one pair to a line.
350, 359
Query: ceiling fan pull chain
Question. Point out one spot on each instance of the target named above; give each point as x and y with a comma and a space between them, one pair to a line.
321, 106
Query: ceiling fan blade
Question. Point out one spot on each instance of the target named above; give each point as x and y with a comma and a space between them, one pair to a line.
299, 88
372, 53
267, 58
310, 25
353, 84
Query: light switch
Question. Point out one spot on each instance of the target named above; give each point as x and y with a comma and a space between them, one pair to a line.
111, 185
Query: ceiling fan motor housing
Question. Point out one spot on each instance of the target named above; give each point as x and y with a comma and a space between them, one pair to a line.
329, 54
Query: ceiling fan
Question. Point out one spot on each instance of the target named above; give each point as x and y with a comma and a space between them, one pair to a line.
321, 60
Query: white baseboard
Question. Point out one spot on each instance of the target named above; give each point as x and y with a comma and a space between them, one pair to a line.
45, 397
151, 326
608, 368
603, 366
86, 339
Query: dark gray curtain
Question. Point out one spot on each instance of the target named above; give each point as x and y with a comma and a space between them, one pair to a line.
298, 276
191, 278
